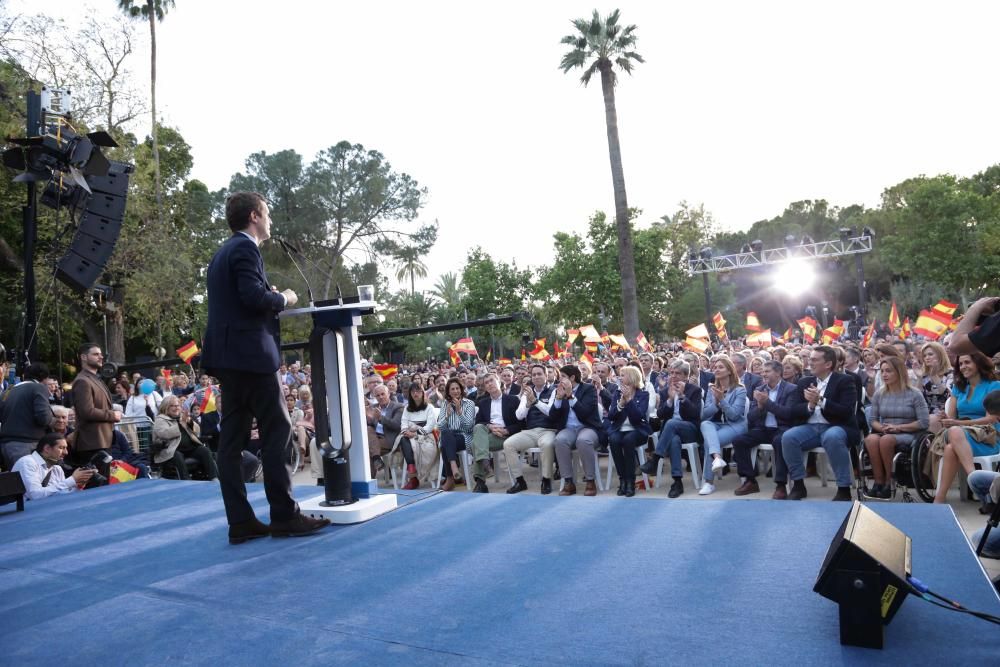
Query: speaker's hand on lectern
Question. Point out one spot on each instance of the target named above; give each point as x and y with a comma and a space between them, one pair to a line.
290, 297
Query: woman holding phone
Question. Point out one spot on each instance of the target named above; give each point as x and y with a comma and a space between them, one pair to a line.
456, 418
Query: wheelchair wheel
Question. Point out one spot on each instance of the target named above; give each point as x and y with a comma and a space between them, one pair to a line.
921, 483
293, 457
864, 481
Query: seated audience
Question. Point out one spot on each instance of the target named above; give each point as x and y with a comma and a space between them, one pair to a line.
539, 431
42, 474
173, 441
577, 421
899, 412
416, 436
723, 418
456, 418
496, 420
383, 425
769, 417
965, 414
827, 418
629, 426
680, 415
935, 381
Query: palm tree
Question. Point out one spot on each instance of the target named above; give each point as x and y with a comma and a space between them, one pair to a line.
408, 263
600, 45
153, 10
449, 289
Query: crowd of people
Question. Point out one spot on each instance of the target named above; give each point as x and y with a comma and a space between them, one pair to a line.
640, 409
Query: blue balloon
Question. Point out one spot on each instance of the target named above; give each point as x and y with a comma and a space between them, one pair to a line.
147, 386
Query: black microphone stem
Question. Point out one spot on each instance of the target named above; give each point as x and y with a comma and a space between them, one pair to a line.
288, 251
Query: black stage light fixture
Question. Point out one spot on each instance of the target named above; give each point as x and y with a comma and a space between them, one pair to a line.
706, 252
746, 248
845, 233
757, 245
865, 572
66, 151
867, 231
806, 240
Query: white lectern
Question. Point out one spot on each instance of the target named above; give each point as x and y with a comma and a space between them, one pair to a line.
350, 493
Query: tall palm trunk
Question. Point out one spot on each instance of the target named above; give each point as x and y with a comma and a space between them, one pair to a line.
413, 282
152, 99
626, 253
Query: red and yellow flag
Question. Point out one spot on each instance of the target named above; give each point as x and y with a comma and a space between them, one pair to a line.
931, 324
620, 340
787, 335
869, 337
954, 323
720, 325
455, 359
643, 344
187, 352
586, 357
207, 401
753, 324
539, 352
945, 308
907, 330
504, 361
759, 339
700, 331
387, 371
696, 344
590, 334
808, 327
555, 346
122, 472
894, 317
571, 335
465, 345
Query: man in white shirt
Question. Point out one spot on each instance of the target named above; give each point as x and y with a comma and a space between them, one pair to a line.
41, 473
539, 431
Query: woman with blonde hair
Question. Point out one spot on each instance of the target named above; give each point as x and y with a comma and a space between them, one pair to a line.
935, 381
629, 426
899, 411
173, 441
724, 416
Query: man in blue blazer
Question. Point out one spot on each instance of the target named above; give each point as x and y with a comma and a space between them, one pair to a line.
826, 417
769, 417
241, 349
578, 421
496, 420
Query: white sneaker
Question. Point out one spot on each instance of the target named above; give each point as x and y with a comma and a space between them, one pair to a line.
706, 489
718, 464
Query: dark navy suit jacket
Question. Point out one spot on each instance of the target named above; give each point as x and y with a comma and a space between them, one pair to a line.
242, 331
781, 407
508, 408
585, 409
838, 408
636, 411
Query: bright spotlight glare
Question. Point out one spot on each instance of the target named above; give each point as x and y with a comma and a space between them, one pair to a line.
793, 277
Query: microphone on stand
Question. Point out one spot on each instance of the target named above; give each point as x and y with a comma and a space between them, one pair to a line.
289, 249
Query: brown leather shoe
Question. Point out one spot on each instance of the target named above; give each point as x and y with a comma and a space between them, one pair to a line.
780, 492
299, 525
591, 488
569, 489
411, 484
248, 530
449, 484
747, 487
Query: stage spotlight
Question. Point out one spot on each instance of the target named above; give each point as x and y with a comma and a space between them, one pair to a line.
845, 233
706, 252
757, 245
746, 248
789, 241
793, 277
867, 231
807, 240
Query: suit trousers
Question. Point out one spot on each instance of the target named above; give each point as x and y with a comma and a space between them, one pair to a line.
833, 439
742, 444
249, 396
522, 441
584, 440
483, 442
674, 433
623, 445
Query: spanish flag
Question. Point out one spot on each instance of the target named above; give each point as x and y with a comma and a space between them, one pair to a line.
869, 336
643, 344
387, 371
207, 400
555, 345
905, 333
700, 331
465, 345
894, 317
590, 334
753, 324
504, 361
540, 353
571, 335
759, 339
455, 359
187, 352
699, 345
586, 357
122, 472
808, 327
931, 324
620, 340
720, 325
945, 308
788, 335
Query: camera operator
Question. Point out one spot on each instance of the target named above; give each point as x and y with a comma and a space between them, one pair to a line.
979, 330
25, 415
42, 474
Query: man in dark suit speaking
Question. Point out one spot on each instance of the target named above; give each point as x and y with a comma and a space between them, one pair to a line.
241, 349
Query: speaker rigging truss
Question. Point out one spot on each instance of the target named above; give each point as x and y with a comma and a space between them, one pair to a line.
852, 245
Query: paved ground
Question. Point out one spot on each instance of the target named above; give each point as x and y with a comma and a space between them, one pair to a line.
967, 512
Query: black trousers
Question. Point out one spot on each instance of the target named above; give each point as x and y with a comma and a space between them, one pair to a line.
249, 396
407, 448
623, 445
452, 442
742, 445
201, 454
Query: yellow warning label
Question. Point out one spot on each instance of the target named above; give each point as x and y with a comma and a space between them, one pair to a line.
887, 597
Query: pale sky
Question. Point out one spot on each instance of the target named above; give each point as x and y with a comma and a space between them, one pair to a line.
744, 107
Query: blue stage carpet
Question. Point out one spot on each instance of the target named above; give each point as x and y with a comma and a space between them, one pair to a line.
142, 574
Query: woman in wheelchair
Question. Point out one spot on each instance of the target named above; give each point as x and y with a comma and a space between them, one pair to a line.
964, 409
174, 441
899, 412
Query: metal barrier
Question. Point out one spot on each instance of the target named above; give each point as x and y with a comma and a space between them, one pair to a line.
138, 431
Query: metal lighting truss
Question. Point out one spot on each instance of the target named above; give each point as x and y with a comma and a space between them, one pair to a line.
742, 260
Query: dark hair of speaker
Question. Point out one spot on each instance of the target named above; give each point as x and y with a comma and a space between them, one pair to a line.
239, 206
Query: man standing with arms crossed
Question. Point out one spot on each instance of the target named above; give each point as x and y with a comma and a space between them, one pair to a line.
241, 349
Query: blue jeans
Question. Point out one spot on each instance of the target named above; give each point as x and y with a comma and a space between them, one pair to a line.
979, 482
833, 439
716, 435
672, 435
